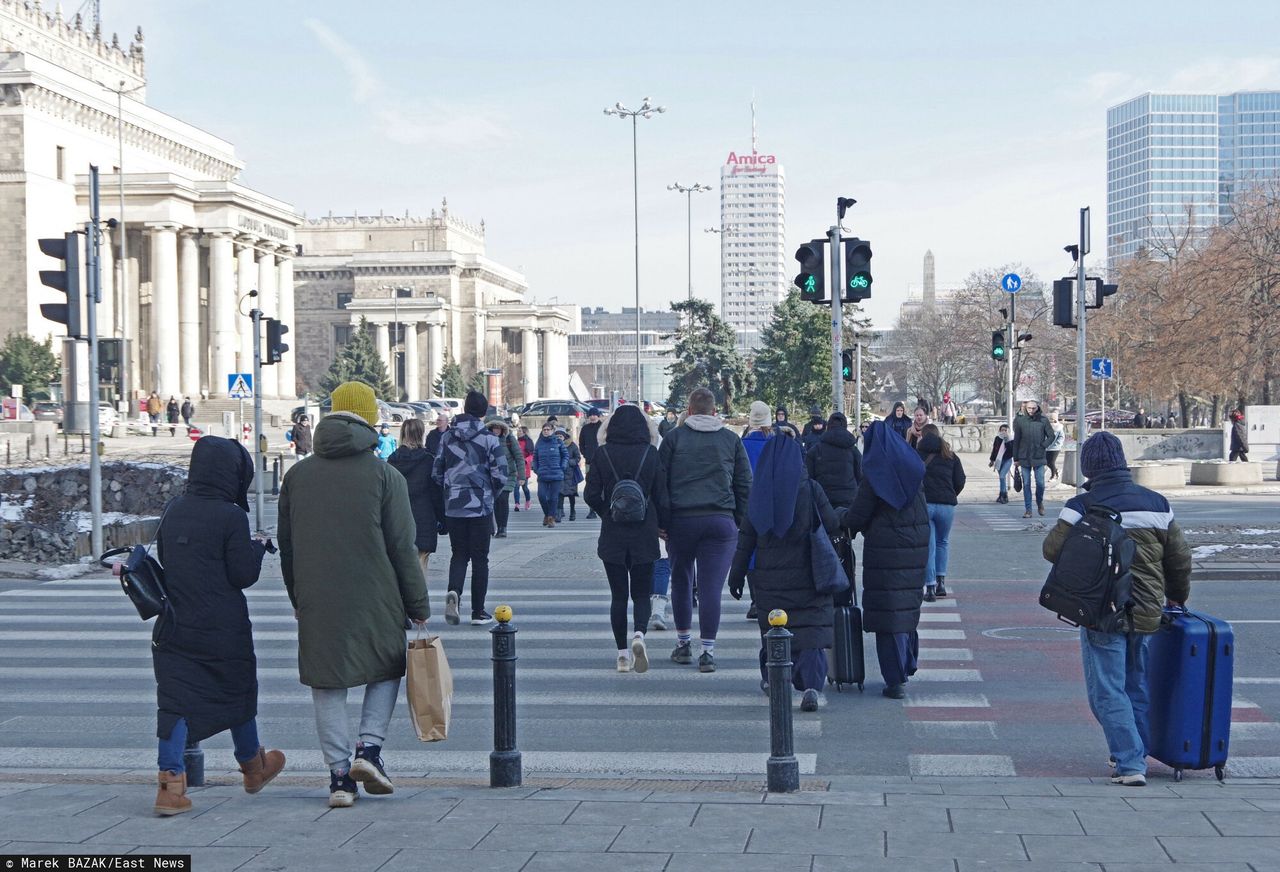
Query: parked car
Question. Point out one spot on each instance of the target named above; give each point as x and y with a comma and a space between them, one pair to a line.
107, 417
453, 404
559, 408
601, 405
325, 408
47, 410
425, 411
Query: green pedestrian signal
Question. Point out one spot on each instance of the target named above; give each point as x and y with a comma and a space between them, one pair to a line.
810, 279
846, 365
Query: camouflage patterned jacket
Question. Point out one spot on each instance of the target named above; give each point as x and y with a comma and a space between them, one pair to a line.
470, 468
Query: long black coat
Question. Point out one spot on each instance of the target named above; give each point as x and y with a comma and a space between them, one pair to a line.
782, 577
425, 496
894, 554
628, 543
836, 465
202, 652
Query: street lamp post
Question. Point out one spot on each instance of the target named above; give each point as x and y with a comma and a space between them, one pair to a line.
695, 188
122, 298
646, 110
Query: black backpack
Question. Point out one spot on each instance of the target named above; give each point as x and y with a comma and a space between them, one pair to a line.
1090, 583
628, 504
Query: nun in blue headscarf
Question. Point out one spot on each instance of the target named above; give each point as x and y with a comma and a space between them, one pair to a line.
783, 507
889, 511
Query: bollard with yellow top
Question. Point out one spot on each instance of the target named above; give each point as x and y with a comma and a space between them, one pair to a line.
782, 770
505, 768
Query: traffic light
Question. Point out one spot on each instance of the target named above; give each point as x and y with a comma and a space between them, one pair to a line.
275, 348
998, 349
857, 269
67, 280
810, 280
1064, 304
1102, 290
846, 365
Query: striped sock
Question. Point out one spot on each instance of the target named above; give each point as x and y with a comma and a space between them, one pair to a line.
684, 638
708, 646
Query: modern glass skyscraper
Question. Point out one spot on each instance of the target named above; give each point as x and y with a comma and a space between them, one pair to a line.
1175, 161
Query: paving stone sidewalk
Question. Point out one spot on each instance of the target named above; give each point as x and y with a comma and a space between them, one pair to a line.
563, 825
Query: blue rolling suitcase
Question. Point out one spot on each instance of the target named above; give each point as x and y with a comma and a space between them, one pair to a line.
1189, 672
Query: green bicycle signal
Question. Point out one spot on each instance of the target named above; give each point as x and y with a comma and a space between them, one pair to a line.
859, 281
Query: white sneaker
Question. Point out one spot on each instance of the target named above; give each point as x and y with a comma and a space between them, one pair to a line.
639, 654
451, 608
624, 663
658, 618
1133, 779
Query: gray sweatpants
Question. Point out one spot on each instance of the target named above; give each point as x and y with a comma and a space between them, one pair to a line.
334, 728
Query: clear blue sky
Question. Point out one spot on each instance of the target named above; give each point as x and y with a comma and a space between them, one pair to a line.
974, 129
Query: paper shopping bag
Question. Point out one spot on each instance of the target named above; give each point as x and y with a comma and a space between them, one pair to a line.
429, 687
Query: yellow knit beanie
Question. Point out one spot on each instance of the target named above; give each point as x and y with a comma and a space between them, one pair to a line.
357, 398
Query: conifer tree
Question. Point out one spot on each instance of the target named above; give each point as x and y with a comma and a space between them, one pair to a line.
358, 360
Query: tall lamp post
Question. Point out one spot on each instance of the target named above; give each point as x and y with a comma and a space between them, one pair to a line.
122, 298
646, 110
695, 188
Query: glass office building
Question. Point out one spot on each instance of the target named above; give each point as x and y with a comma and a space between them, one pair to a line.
1175, 161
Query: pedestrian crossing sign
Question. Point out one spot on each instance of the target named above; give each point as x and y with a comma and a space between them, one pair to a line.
240, 385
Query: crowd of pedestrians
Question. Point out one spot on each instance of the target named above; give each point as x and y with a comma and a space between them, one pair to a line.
739, 509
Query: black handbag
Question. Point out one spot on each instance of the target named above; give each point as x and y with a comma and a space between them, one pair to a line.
141, 576
1017, 479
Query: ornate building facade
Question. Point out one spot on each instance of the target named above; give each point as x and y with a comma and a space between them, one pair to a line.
432, 296
194, 241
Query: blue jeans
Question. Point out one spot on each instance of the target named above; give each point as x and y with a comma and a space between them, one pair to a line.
941, 516
1026, 485
1005, 465
1115, 678
169, 758
549, 497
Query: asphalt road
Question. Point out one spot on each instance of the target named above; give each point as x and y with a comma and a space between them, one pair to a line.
999, 692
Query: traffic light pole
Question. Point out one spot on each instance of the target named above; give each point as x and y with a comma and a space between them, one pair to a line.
837, 317
857, 389
1008, 362
258, 438
1082, 426
95, 425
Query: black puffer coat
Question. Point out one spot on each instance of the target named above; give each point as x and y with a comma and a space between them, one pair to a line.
943, 477
415, 464
626, 445
894, 553
202, 652
836, 465
782, 577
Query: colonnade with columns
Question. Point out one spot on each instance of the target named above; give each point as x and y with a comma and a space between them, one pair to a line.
188, 352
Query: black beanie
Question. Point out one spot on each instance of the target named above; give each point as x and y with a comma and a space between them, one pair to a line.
475, 404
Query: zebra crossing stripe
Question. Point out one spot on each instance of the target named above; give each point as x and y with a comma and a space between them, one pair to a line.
960, 764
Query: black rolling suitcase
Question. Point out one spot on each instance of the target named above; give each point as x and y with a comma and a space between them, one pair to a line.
845, 662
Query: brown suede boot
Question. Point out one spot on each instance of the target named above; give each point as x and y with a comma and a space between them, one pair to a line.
171, 798
259, 771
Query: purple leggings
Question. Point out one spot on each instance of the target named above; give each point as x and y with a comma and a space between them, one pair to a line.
701, 546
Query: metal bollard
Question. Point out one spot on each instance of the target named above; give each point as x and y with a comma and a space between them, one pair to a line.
48, 447
84, 444
66, 443
783, 769
275, 477
504, 762
193, 761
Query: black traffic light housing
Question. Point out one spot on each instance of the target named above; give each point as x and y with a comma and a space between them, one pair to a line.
1101, 290
67, 280
857, 269
846, 365
1064, 302
811, 280
999, 350
275, 347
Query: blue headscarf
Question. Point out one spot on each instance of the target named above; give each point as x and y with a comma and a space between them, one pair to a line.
890, 467
774, 487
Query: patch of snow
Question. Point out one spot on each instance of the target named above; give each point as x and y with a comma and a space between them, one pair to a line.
84, 520
69, 570
14, 511
1202, 551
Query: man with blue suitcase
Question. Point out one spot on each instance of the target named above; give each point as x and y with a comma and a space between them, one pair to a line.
1115, 659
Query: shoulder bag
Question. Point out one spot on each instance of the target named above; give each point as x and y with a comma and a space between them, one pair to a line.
828, 574
141, 575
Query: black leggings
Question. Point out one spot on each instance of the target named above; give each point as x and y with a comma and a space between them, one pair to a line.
635, 582
573, 502
1051, 457
501, 511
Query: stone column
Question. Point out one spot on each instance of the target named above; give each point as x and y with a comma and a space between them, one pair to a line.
557, 356
246, 281
383, 339
411, 381
529, 367
435, 355
222, 312
164, 376
548, 364
189, 313
287, 374
267, 303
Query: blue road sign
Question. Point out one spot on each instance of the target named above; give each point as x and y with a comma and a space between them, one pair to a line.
1012, 283
1101, 367
240, 385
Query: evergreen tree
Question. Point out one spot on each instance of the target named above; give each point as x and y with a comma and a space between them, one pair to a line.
793, 366
706, 355
358, 360
26, 362
451, 382
479, 382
